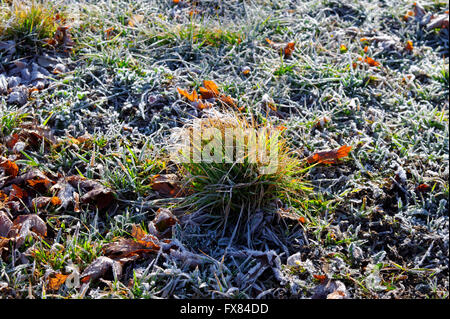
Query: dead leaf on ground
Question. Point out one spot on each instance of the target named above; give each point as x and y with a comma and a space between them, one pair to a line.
125, 249
65, 193
329, 157
101, 197
166, 185
43, 201
287, 48
5, 224
161, 225
94, 192
17, 193
101, 267
330, 289
55, 281
371, 61
25, 225
9, 167
192, 97
34, 179
409, 46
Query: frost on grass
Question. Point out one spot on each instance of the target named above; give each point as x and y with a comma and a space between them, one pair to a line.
372, 76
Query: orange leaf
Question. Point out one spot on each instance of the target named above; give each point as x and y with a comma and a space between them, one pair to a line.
202, 106
205, 93
366, 48
36, 183
55, 281
10, 168
55, 201
108, 32
423, 188
227, 100
3, 196
190, 96
409, 46
211, 86
371, 61
343, 151
329, 157
137, 232
17, 192
320, 278
12, 140
289, 49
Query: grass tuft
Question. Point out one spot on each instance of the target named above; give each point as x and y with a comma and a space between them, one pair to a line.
240, 178
30, 23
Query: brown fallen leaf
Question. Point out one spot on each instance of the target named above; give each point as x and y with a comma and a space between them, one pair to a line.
287, 48
102, 267
43, 201
10, 168
137, 232
228, 100
125, 249
371, 61
65, 193
25, 225
329, 157
12, 140
17, 193
101, 197
36, 135
166, 185
55, 281
422, 188
246, 70
5, 224
192, 97
330, 289
209, 90
161, 225
95, 192
40, 184
320, 278
37, 179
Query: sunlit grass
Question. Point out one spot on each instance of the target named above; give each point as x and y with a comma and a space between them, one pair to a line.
237, 182
29, 22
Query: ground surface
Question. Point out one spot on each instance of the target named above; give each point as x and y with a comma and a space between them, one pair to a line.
102, 108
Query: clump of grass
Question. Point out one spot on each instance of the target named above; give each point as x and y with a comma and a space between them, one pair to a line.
30, 23
199, 34
255, 170
9, 120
